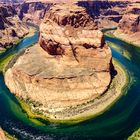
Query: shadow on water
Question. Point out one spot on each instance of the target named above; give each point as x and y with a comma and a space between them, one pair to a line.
115, 124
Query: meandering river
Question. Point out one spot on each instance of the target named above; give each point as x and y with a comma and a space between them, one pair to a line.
116, 123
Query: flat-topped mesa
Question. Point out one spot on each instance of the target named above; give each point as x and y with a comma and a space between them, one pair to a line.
69, 26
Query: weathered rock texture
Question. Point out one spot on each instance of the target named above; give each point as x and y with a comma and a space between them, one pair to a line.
129, 25
33, 12
72, 68
11, 28
107, 13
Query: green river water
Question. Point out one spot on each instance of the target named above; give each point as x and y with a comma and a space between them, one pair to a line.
115, 124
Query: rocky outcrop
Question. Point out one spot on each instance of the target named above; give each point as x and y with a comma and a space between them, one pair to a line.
70, 65
11, 28
72, 68
33, 12
130, 23
107, 13
129, 26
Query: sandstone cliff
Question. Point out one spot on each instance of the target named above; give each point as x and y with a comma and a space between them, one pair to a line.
33, 12
69, 66
11, 28
107, 13
129, 25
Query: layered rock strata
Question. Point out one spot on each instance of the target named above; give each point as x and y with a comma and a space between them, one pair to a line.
129, 25
107, 13
11, 27
33, 12
69, 66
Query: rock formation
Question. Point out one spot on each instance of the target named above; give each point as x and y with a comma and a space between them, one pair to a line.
70, 65
129, 25
11, 28
107, 13
33, 12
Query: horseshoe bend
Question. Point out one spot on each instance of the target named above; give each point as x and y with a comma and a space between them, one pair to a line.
69, 75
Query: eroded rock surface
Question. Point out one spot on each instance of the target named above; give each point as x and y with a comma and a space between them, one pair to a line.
33, 12
11, 28
107, 13
129, 25
69, 66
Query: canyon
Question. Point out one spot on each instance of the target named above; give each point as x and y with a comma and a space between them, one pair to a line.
69, 41
107, 14
69, 73
11, 27
32, 12
123, 15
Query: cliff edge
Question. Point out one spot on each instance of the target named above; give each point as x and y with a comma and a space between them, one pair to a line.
129, 26
11, 27
68, 67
